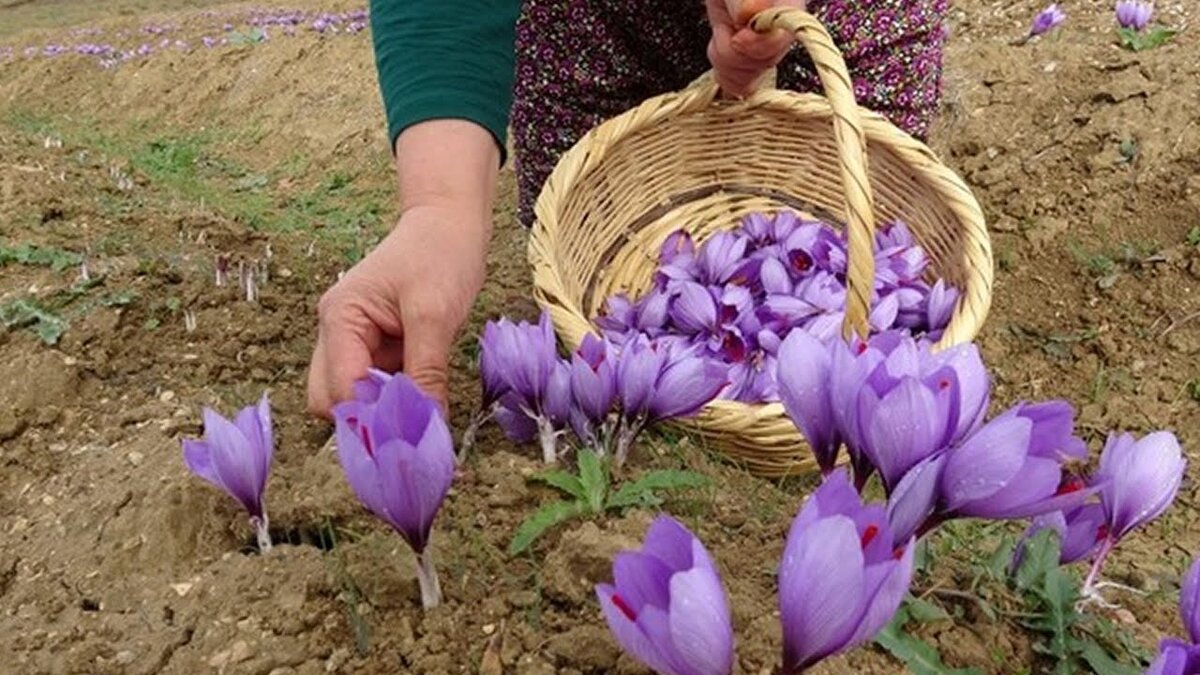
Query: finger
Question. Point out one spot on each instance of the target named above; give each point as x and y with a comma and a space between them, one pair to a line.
389, 356
427, 358
345, 358
735, 74
766, 48
318, 394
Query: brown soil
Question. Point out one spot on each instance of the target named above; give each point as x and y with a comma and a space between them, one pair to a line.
114, 560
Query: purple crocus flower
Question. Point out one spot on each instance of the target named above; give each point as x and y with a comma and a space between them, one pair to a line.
939, 308
842, 577
1046, 20
804, 373
593, 385
667, 607
912, 504
1140, 480
523, 359
1013, 466
656, 382
1134, 14
236, 457
398, 457
1080, 531
1176, 657
914, 404
720, 256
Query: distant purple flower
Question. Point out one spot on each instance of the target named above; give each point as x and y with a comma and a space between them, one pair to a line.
939, 307
208, 41
1134, 14
804, 373
1013, 466
1046, 20
842, 577
667, 607
320, 25
523, 359
398, 457
236, 457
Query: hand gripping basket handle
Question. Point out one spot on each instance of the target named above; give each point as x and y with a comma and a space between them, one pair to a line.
852, 155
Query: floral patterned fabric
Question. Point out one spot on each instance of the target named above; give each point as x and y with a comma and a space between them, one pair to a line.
580, 62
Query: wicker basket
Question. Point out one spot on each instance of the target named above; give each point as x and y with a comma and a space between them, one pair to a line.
696, 161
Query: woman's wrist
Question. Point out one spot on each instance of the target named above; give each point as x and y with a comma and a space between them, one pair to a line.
450, 165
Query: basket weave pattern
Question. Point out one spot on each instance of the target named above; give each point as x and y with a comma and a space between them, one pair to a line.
693, 160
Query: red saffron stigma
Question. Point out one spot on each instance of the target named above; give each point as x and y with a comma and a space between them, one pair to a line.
862, 347
366, 440
1102, 532
898, 553
869, 535
943, 384
624, 607
1072, 484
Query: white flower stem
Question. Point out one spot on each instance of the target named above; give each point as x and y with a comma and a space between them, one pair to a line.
1106, 547
626, 434
431, 590
549, 439
262, 530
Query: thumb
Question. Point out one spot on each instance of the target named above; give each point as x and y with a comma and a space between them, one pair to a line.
427, 359
744, 10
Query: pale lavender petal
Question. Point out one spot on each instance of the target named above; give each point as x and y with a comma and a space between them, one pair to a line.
886, 599
986, 462
701, 631
821, 588
628, 633
642, 579
198, 457
1189, 601
899, 430
915, 497
803, 377
235, 461
1143, 480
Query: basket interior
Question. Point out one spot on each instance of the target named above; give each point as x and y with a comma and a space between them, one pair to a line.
703, 171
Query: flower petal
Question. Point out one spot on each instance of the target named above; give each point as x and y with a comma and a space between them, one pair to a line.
803, 379
629, 633
914, 498
235, 461
701, 629
986, 461
821, 588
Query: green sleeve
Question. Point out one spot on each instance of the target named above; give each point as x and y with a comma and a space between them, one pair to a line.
441, 59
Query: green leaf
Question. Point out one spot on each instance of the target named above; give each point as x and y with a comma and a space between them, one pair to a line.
543, 519
1102, 663
924, 611
25, 313
1001, 559
1040, 557
920, 657
632, 494
594, 479
1058, 595
1150, 39
563, 481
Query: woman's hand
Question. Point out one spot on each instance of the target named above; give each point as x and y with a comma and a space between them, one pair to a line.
739, 55
401, 307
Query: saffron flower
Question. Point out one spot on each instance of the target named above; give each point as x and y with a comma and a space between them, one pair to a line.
1134, 14
666, 606
1046, 20
1080, 531
1141, 480
1176, 657
1013, 466
236, 457
593, 385
398, 457
803, 374
842, 577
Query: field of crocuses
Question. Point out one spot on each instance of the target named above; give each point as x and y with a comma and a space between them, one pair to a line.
181, 180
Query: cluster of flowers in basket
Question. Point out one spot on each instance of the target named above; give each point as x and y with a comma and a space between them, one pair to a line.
912, 417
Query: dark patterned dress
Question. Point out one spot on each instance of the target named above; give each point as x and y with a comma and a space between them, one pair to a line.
580, 62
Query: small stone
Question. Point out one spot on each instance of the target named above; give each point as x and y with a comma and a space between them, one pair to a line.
488, 629
48, 500
337, 659
167, 396
124, 657
219, 660
1125, 616
181, 589
135, 458
11, 425
241, 651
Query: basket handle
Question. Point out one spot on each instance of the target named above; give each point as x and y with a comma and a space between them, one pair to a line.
852, 153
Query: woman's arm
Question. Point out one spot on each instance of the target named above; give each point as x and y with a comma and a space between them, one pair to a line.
445, 59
